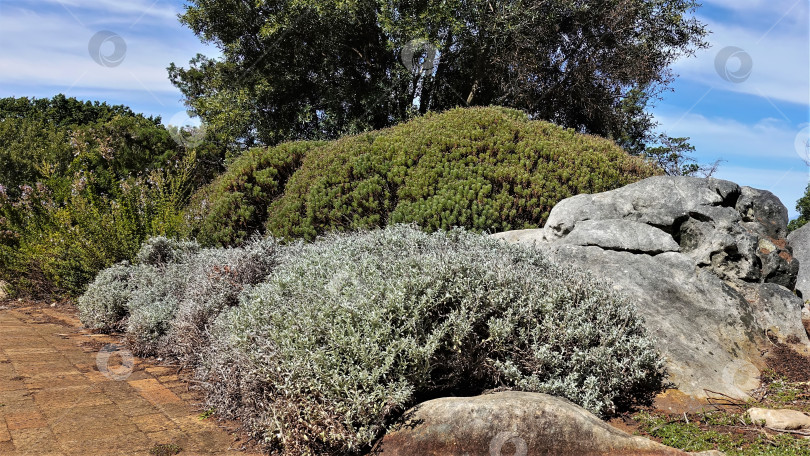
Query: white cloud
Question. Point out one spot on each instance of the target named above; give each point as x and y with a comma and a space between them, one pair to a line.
765, 7
779, 46
731, 139
760, 154
86, 11
51, 49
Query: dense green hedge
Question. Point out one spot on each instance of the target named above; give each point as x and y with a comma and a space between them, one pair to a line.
482, 168
235, 204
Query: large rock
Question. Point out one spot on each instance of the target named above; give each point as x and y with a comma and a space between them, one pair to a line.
621, 235
710, 272
656, 201
800, 241
512, 423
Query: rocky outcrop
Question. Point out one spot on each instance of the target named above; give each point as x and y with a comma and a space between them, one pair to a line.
512, 423
706, 263
800, 241
622, 235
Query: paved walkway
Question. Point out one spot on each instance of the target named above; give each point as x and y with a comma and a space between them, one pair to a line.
63, 393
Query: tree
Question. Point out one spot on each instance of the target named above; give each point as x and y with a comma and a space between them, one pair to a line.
673, 156
81, 185
293, 69
803, 207
50, 139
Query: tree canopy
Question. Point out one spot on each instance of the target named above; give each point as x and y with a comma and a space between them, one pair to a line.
50, 140
803, 207
81, 185
293, 69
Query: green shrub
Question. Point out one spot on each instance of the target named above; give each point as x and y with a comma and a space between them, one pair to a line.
803, 208
81, 186
48, 139
48, 246
234, 206
485, 169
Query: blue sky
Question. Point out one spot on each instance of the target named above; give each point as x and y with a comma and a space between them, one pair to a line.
748, 116
44, 51
752, 124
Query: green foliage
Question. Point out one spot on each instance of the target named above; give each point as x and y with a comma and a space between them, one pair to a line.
486, 169
50, 140
682, 435
319, 347
50, 247
803, 207
81, 186
692, 436
235, 205
673, 155
779, 391
319, 69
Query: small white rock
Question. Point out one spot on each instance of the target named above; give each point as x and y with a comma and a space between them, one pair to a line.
780, 419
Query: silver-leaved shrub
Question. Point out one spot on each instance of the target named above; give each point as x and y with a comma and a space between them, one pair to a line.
349, 331
103, 306
166, 300
318, 347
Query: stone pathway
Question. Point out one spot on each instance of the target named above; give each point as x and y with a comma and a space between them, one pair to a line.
63, 393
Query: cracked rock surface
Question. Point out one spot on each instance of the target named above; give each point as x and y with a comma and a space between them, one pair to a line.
706, 263
800, 241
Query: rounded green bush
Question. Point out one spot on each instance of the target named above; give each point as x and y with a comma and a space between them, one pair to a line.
484, 169
349, 331
234, 206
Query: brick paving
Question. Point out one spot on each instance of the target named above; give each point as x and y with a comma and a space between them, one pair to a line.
55, 401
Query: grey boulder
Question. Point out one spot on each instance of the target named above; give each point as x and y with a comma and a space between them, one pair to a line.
514, 423
656, 201
710, 272
800, 241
